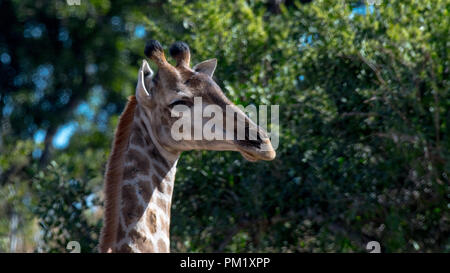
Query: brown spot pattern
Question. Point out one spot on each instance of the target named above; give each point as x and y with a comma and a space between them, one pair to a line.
162, 246
162, 204
146, 136
141, 161
168, 189
156, 155
151, 221
159, 170
129, 173
132, 211
137, 138
145, 189
124, 249
157, 182
141, 242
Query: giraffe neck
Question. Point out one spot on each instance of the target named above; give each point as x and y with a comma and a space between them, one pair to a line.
146, 191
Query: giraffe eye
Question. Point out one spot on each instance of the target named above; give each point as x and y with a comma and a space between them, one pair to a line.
181, 102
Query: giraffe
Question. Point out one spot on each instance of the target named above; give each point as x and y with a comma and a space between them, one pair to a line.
140, 172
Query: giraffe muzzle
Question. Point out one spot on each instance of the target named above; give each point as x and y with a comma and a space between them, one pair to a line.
256, 149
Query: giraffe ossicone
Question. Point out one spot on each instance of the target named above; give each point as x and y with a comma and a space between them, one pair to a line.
140, 174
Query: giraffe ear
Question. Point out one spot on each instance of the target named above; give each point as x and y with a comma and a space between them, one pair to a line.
144, 84
207, 67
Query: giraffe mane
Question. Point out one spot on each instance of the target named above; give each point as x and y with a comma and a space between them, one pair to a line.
114, 175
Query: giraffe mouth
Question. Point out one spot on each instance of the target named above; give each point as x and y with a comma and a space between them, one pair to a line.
256, 150
248, 156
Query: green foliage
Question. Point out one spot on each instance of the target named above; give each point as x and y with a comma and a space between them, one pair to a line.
16, 221
64, 217
364, 134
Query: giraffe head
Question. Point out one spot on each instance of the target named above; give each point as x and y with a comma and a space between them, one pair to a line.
181, 87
